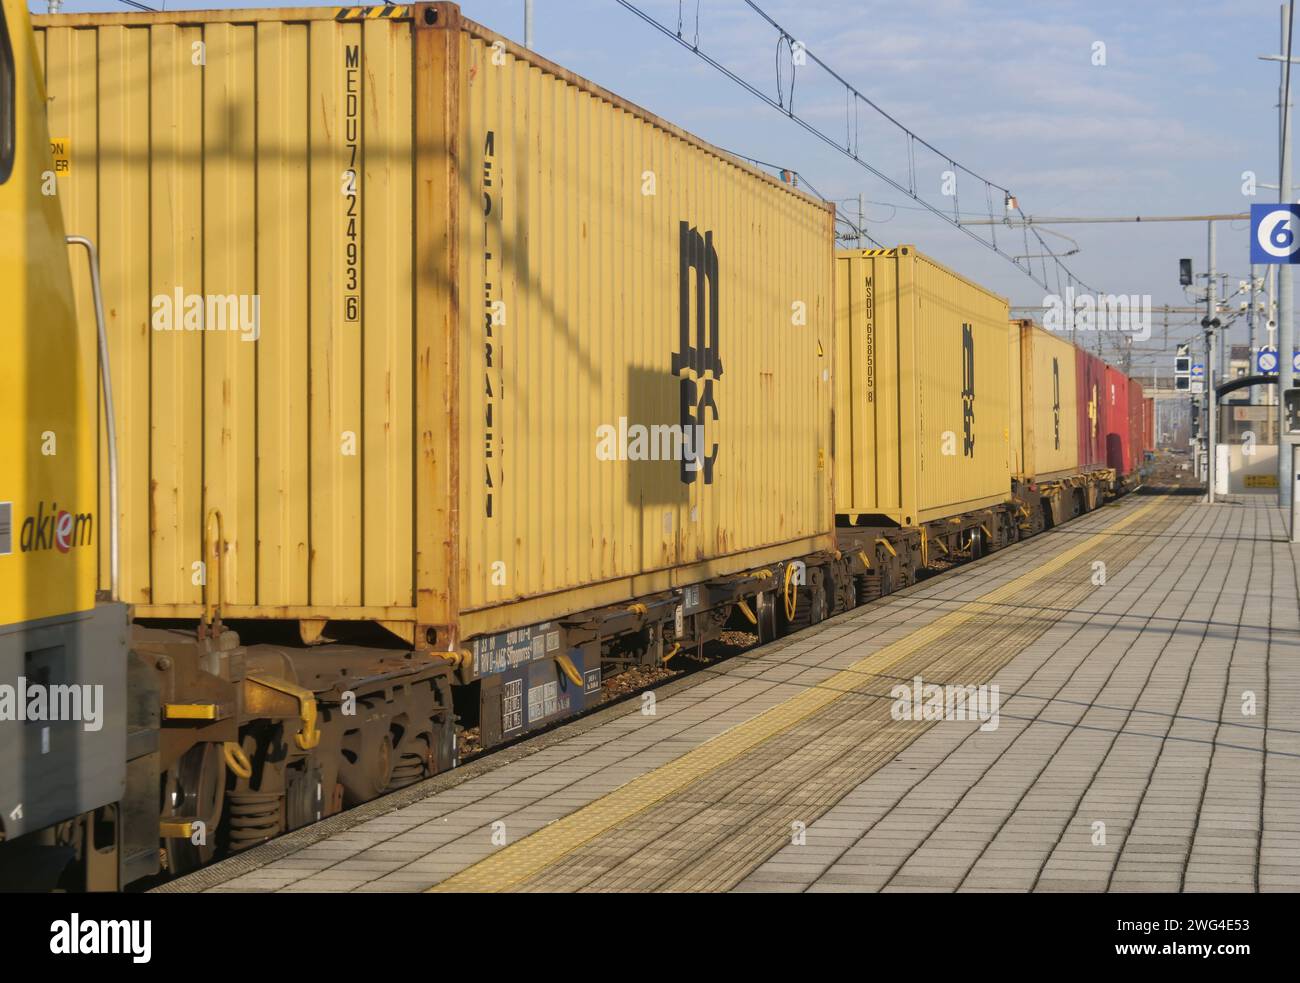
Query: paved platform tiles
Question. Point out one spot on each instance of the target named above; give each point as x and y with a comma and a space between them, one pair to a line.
1147, 739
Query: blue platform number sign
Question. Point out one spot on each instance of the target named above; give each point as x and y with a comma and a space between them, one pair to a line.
1275, 234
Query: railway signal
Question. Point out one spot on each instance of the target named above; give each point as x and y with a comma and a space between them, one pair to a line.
1183, 360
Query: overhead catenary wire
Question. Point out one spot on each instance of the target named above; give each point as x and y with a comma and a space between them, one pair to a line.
853, 226
785, 104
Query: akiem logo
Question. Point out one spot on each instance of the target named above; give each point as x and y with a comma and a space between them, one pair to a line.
1275, 234
56, 529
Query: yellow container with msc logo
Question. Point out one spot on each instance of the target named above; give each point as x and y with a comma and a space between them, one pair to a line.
427, 320
923, 408
1047, 376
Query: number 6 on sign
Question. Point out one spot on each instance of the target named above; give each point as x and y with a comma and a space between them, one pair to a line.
1273, 236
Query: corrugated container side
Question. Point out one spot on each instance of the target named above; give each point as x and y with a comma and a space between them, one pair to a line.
1115, 420
1137, 424
1090, 381
637, 278
1050, 398
463, 261
1149, 424
259, 312
922, 393
1016, 391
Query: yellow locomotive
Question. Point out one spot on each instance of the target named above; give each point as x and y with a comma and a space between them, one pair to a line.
63, 651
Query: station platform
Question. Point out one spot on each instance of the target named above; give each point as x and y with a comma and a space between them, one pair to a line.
1147, 668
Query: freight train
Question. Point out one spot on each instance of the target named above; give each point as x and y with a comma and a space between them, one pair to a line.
394, 380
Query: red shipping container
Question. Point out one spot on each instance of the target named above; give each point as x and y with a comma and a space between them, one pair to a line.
1090, 384
1137, 407
1115, 423
1149, 424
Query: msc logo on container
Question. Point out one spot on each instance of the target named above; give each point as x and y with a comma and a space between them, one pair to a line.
1273, 236
1056, 403
56, 529
968, 389
697, 362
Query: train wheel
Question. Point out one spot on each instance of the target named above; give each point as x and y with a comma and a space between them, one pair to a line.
911, 572
813, 604
765, 607
846, 595
368, 759
194, 791
819, 606
304, 797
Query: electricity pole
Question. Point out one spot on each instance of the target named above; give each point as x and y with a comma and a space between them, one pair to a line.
1286, 311
1211, 401
528, 24
1252, 331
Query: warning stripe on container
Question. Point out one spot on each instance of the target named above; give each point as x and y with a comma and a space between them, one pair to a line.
386, 12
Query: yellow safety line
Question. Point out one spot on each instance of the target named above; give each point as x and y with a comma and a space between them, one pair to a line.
520, 861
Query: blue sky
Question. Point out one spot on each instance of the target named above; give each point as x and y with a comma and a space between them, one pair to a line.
1180, 109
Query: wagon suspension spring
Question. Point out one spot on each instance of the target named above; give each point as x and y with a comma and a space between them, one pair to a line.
254, 818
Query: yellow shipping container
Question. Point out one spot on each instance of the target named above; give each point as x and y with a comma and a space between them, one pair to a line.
1048, 397
389, 299
1016, 448
922, 386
